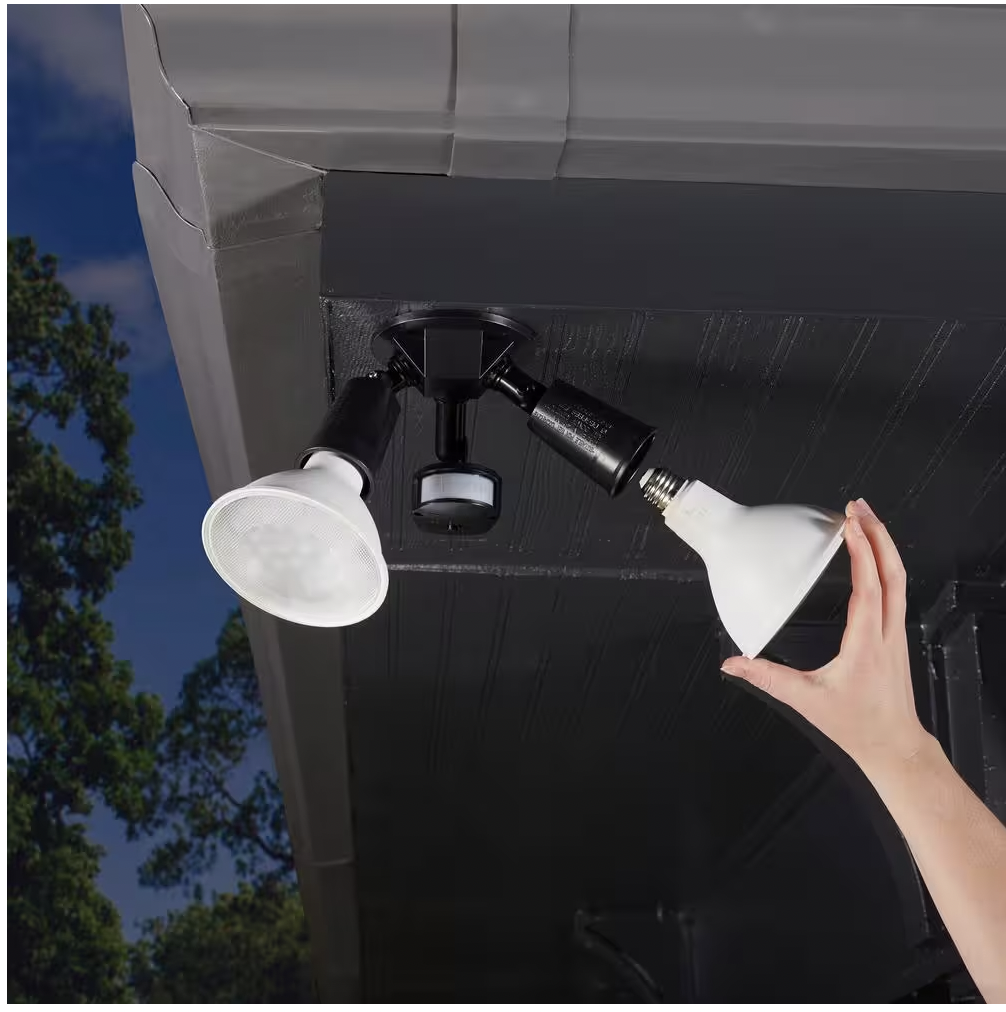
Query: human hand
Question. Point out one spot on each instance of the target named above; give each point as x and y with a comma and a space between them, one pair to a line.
862, 699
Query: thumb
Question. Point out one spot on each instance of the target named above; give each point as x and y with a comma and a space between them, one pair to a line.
777, 680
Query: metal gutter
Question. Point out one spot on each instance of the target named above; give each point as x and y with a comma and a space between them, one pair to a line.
234, 241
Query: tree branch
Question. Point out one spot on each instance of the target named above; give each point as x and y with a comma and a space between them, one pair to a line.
283, 857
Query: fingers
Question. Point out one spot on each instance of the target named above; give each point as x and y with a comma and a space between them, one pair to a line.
890, 568
785, 684
866, 605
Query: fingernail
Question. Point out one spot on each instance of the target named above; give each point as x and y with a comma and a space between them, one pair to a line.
731, 666
862, 508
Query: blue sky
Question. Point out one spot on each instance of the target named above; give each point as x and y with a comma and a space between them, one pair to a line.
69, 156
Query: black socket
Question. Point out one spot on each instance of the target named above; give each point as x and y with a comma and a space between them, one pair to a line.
606, 444
359, 425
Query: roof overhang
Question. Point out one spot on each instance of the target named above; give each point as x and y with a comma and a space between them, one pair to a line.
239, 113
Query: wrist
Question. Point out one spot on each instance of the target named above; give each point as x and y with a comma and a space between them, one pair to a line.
915, 753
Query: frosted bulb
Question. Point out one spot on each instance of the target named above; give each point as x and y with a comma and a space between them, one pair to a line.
301, 544
762, 561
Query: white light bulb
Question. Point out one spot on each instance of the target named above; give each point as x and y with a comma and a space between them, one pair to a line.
762, 561
301, 544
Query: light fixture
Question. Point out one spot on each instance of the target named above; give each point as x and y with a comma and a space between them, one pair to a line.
453, 357
448, 358
762, 561
303, 546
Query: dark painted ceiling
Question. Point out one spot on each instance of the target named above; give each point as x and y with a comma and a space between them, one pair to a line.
537, 721
909, 413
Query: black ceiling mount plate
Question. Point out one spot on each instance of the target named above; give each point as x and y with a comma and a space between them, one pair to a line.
447, 354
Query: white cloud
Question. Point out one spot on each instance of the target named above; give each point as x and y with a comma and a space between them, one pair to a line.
80, 46
126, 285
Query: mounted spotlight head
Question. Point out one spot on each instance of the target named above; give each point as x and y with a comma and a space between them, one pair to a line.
302, 544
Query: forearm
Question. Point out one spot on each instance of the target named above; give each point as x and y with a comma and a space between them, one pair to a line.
960, 848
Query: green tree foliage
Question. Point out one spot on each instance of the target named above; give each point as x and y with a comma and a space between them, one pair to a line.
249, 946
64, 937
77, 732
208, 734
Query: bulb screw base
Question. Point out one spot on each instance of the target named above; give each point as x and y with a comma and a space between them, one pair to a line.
660, 486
